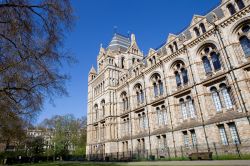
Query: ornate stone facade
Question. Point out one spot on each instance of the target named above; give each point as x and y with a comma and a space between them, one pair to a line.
192, 90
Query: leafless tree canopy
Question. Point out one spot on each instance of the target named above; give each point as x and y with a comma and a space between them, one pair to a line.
31, 54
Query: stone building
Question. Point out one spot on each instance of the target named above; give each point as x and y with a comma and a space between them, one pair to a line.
193, 92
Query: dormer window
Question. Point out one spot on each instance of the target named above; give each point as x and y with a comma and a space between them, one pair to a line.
171, 49
240, 4
202, 26
231, 9
197, 32
175, 45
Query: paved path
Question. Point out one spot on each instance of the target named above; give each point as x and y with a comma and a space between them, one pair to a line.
212, 162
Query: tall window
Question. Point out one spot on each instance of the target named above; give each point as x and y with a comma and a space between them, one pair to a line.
185, 139
197, 32
207, 65
124, 101
216, 61
155, 89
103, 107
231, 9
223, 135
95, 112
245, 44
226, 97
161, 116
164, 115
240, 4
184, 75
216, 99
187, 108
178, 79
122, 62
194, 138
183, 109
143, 120
142, 96
138, 97
191, 107
234, 133
171, 48
175, 45
161, 87
202, 26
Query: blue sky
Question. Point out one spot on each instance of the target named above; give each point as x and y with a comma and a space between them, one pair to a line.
150, 20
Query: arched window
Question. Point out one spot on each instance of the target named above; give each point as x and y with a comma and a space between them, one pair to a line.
157, 84
183, 109
245, 44
197, 32
240, 4
216, 99
139, 93
202, 26
178, 79
184, 75
181, 73
216, 61
211, 59
226, 97
207, 65
231, 9
124, 101
190, 103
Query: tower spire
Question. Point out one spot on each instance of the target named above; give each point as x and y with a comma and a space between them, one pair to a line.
115, 29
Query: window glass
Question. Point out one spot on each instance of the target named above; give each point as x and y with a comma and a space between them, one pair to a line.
245, 44
216, 61
223, 135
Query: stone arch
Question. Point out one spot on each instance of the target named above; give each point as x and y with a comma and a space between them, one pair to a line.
233, 37
205, 44
175, 61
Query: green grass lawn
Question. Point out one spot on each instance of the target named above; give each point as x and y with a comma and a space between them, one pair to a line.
71, 164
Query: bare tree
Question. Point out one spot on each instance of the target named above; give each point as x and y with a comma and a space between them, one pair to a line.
31, 53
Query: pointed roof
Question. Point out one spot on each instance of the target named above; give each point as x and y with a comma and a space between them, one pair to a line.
119, 42
92, 70
195, 19
171, 37
134, 45
151, 52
